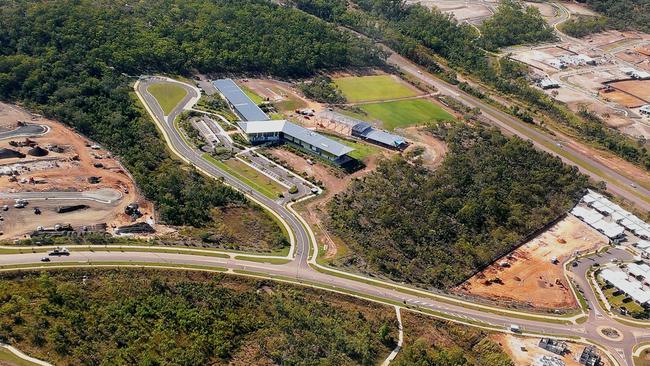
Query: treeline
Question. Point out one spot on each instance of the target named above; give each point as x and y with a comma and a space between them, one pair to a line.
71, 60
437, 228
444, 46
583, 26
323, 90
148, 317
624, 14
430, 342
514, 23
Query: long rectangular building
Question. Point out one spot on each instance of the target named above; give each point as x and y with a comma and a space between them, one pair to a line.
240, 103
281, 130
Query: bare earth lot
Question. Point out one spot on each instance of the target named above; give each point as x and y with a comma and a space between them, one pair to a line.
68, 169
531, 277
524, 350
472, 11
640, 89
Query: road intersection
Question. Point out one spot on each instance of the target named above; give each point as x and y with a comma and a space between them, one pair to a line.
304, 269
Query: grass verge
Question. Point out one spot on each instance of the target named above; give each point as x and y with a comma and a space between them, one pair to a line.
261, 187
263, 260
8, 358
168, 95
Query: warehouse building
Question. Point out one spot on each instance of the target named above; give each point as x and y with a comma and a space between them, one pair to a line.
361, 129
239, 102
548, 83
259, 132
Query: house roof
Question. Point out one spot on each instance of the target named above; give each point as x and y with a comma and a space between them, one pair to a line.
313, 138
633, 289
248, 110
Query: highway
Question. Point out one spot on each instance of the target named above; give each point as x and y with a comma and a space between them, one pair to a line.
616, 183
304, 269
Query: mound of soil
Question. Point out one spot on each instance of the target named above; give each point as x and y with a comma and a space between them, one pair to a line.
37, 151
8, 154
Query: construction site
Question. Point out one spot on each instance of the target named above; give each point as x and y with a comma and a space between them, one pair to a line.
55, 182
549, 352
533, 274
606, 73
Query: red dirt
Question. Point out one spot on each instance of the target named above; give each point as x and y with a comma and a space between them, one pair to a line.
531, 277
525, 350
636, 88
69, 170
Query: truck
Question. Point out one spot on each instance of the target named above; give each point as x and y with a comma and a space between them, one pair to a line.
515, 328
59, 252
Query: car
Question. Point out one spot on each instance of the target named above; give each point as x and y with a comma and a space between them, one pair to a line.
45, 259
5, 208
574, 264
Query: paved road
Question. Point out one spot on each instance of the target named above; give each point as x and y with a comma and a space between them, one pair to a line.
301, 267
26, 130
616, 183
104, 195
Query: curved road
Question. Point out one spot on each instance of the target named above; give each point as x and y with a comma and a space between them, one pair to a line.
26, 130
304, 269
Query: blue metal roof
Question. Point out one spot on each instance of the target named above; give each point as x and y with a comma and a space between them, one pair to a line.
303, 134
385, 138
245, 107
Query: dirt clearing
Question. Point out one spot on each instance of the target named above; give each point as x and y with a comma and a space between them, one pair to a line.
529, 276
524, 351
636, 88
61, 160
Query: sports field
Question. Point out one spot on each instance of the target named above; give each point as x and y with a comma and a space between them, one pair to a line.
168, 95
404, 113
375, 87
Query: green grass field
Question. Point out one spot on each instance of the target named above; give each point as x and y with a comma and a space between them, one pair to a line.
361, 150
371, 88
402, 113
168, 95
250, 176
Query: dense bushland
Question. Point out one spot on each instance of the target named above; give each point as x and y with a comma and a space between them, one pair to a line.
149, 317
438, 42
437, 228
71, 60
512, 24
624, 14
